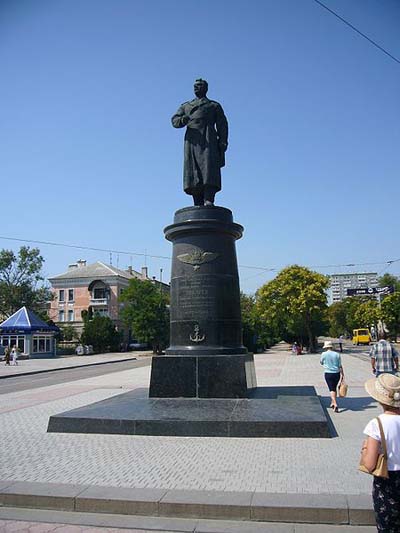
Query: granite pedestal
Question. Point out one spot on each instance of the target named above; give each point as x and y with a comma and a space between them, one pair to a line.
271, 412
206, 357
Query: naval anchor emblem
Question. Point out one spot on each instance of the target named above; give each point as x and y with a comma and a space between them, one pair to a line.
198, 257
196, 337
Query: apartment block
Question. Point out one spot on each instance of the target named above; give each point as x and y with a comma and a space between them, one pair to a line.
341, 282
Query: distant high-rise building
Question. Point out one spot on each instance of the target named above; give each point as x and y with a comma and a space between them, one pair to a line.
341, 282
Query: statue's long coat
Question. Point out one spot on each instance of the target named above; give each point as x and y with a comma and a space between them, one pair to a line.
203, 158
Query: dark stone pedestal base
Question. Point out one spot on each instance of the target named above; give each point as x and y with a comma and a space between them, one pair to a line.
202, 376
274, 412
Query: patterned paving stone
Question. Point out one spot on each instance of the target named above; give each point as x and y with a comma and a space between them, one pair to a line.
189, 463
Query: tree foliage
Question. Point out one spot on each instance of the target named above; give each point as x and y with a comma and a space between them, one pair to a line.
67, 333
21, 281
388, 280
367, 314
338, 314
294, 305
353, 313
257, 333
145, 312
101, 333
390, 309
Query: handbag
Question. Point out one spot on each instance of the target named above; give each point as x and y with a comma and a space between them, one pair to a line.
381, 469
343, 388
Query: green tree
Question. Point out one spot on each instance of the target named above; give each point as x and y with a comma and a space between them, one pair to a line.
101, 333
145, 312
367, 314
295, 304
257, 333
389, 280
67, 333
390, 309
21, 281
338, 314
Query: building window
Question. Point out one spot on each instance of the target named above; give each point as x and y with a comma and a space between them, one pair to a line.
99, 294
61, 316
101, 312
61, 295
11, 341
70, 315
41, 344
70, 295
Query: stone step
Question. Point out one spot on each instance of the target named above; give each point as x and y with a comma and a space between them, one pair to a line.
254, 507
21, 519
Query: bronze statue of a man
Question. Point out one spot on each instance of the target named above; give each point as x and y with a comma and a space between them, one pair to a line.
206, 141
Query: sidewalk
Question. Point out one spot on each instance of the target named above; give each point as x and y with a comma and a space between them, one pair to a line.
274, 479
36, 366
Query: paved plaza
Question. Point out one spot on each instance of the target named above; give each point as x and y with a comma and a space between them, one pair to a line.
242, 465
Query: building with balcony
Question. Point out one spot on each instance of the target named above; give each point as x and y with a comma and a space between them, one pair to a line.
339, 283
96, 286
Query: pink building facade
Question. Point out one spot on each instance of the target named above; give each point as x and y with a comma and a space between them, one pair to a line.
97, 286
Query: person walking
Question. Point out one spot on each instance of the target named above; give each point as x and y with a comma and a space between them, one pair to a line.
334, 374
385, 492
384, 356
14, 355
341, 343
7, 355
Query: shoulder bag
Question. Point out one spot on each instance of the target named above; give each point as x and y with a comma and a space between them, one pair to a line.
381, 469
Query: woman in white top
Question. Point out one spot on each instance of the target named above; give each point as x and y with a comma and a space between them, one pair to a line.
386, 492
14, 355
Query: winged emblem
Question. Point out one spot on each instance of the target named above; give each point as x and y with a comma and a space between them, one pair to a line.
198, 257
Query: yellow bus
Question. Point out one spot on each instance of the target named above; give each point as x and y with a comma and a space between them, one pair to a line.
361, 336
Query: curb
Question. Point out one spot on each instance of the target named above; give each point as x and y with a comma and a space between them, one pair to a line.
29, 373
336, 509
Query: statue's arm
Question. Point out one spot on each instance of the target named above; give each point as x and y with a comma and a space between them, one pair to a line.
221, 124
180, 119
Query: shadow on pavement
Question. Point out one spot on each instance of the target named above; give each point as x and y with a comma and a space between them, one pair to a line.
361, 403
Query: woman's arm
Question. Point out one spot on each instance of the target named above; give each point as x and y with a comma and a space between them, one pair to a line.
370, 452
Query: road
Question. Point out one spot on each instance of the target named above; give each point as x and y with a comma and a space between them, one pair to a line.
34, 381
361, 352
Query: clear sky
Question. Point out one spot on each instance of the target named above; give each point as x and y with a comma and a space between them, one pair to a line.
88, 155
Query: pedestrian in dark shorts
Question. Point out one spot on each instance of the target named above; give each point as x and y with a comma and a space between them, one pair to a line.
334, 374
385, 492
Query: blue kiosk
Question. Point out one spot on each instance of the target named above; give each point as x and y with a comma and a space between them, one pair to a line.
29, 333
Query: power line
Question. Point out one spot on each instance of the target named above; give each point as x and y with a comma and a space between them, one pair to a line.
358, 31
90, 248
263, 270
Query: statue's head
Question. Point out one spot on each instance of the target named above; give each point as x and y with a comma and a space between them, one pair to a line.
200, 88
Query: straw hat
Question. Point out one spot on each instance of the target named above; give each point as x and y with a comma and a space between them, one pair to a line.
385, 389
327, 344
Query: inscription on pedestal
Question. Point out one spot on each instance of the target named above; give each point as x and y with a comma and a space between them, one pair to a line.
196, 298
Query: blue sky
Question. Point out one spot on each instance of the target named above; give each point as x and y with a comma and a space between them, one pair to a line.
88, 155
